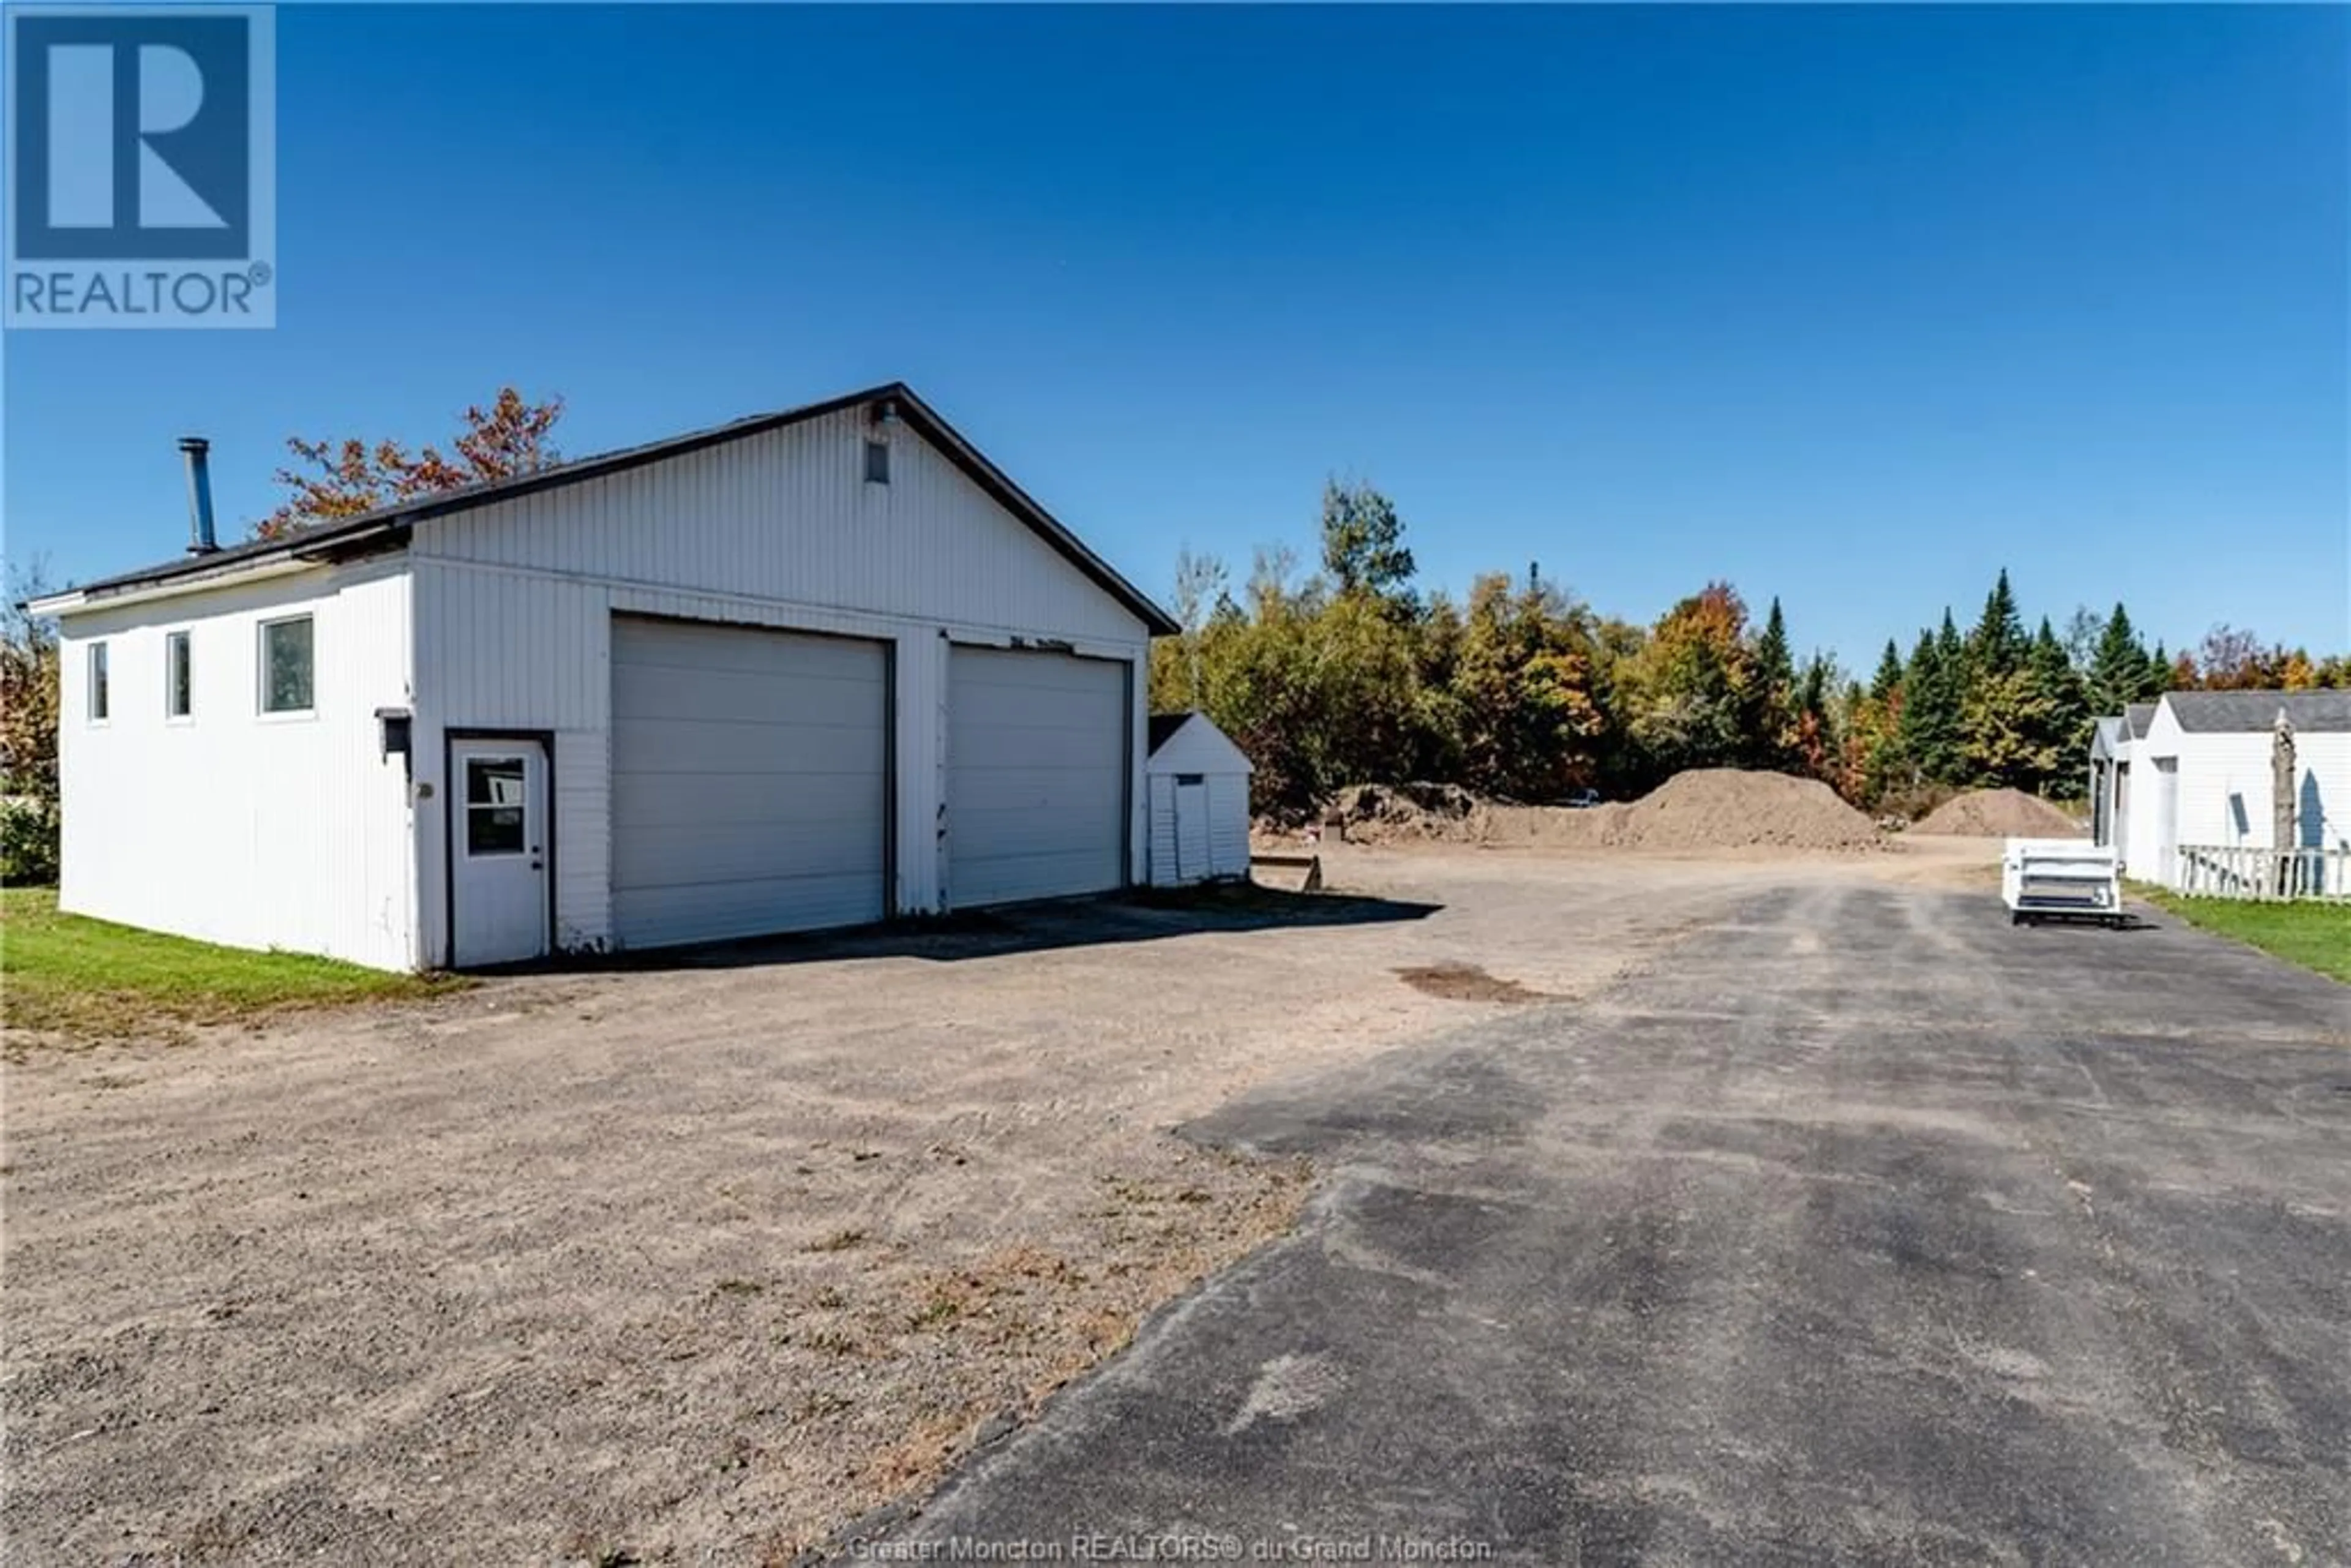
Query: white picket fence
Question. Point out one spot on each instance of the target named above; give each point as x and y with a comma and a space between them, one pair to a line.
2237, 870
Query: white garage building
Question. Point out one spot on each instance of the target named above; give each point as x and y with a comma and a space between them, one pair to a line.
808, 669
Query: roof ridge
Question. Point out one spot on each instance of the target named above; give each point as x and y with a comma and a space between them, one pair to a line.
324, 538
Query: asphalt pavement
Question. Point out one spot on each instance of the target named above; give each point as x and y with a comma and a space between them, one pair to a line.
1862, 1226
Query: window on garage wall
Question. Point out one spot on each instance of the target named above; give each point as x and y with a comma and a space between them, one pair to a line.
288, 665
179, 676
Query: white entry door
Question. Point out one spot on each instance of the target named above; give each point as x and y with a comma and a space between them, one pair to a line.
498, 838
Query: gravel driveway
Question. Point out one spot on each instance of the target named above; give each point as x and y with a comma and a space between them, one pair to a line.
693, 1264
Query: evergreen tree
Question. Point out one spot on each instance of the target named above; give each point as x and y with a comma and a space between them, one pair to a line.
1770, 717
2065, 709
1812, 690
1930, 728
1889, 673
2118, 668
1949, 646
1997, 645
1818, 740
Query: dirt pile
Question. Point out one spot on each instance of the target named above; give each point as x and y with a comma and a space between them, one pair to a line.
1706, 809
1724, 808
1997, 813
1392, 813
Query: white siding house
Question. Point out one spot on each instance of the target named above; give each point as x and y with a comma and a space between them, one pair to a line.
2198, 773
805, 670
1198, 792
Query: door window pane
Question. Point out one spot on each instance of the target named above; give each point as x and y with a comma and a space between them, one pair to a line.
179, 683
285, 666
494, 806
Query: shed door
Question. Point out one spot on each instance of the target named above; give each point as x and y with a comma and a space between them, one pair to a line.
750, 781
1191, 827
1038, 746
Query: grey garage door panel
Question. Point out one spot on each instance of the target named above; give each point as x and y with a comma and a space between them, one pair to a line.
992, 698
682, 855
722, 913
780, 696
704, 647
1077, 746
751, 789
1013, 877
1000, 800
832, 799
1036, 775
777, 747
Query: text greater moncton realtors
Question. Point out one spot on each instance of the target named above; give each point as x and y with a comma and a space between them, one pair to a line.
75, 293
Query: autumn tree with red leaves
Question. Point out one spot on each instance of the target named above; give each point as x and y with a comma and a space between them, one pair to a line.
329, 480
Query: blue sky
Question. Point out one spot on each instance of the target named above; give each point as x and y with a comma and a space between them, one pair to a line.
1851, 305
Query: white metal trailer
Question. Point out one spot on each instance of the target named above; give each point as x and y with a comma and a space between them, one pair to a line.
2064, 878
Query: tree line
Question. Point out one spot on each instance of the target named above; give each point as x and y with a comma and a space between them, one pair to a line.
1349, 674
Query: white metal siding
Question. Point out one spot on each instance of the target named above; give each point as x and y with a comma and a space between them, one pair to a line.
233, 826
1037, 750
749, 781
1229, 824
789, 516
513, 606
2225, 794
2139, 817
1161, 789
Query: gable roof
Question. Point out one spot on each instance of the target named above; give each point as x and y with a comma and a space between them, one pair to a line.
1192, 742
2135, 719
2312, 713
387, 528
2106, 735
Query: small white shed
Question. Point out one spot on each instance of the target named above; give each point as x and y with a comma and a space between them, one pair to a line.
1197, 782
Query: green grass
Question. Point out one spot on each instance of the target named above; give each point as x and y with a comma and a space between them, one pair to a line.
2314, 936
83, 979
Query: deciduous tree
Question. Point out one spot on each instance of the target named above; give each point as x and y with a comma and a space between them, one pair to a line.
329, 480
1689, 684
28, 733
1362, 542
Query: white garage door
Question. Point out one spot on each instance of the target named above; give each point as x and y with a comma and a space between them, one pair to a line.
750, 781
1037, 760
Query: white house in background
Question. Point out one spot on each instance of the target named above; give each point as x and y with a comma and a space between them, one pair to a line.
1197, 782
2199, 776
2113, 747
806, 670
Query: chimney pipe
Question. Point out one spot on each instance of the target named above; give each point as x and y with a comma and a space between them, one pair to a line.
199, 495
